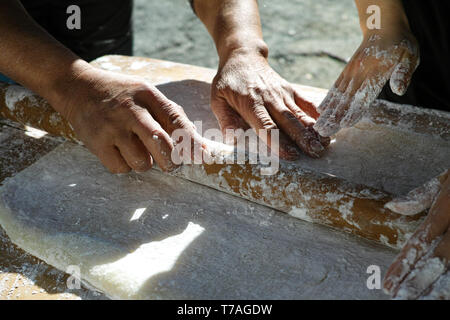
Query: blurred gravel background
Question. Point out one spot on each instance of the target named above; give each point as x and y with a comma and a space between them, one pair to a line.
304, 36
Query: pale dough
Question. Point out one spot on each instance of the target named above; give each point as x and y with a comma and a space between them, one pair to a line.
160, 237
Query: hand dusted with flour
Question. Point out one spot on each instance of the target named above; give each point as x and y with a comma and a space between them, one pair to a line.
387, 54
421, 269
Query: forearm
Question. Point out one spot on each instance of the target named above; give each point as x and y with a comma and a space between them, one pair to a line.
32, 57
392, 14
233, 24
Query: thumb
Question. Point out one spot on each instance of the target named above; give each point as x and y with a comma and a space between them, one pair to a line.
419, 199
403, 72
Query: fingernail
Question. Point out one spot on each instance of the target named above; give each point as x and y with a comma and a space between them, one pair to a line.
288, 152
316, 146
325, 141
291, 156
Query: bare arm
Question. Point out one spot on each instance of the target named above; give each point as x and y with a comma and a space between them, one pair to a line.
32, 57
234, 25
125, 121
392, 14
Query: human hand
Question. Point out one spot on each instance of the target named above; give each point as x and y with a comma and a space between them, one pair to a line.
124, 120
247, 92
387, 54
421, 269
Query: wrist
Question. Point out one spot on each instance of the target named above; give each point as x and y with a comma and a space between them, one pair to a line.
390, 16
389, 29
66, 84
234, 46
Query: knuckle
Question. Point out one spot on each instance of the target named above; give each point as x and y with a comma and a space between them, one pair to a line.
125, 104
175, 120
289, 115
287, 87
409, 45
175, 115
408, 50
255, 105
258, 90
299, 114
171, 107
145, 86
268, 124
220, 84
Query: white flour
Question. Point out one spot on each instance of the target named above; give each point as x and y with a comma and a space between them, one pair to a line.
16, 93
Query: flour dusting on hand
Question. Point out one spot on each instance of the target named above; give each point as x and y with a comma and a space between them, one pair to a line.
418, 199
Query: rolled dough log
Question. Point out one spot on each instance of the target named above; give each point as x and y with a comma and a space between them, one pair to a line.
394, 149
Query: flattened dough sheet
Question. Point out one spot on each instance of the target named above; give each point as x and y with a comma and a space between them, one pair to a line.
160, 237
